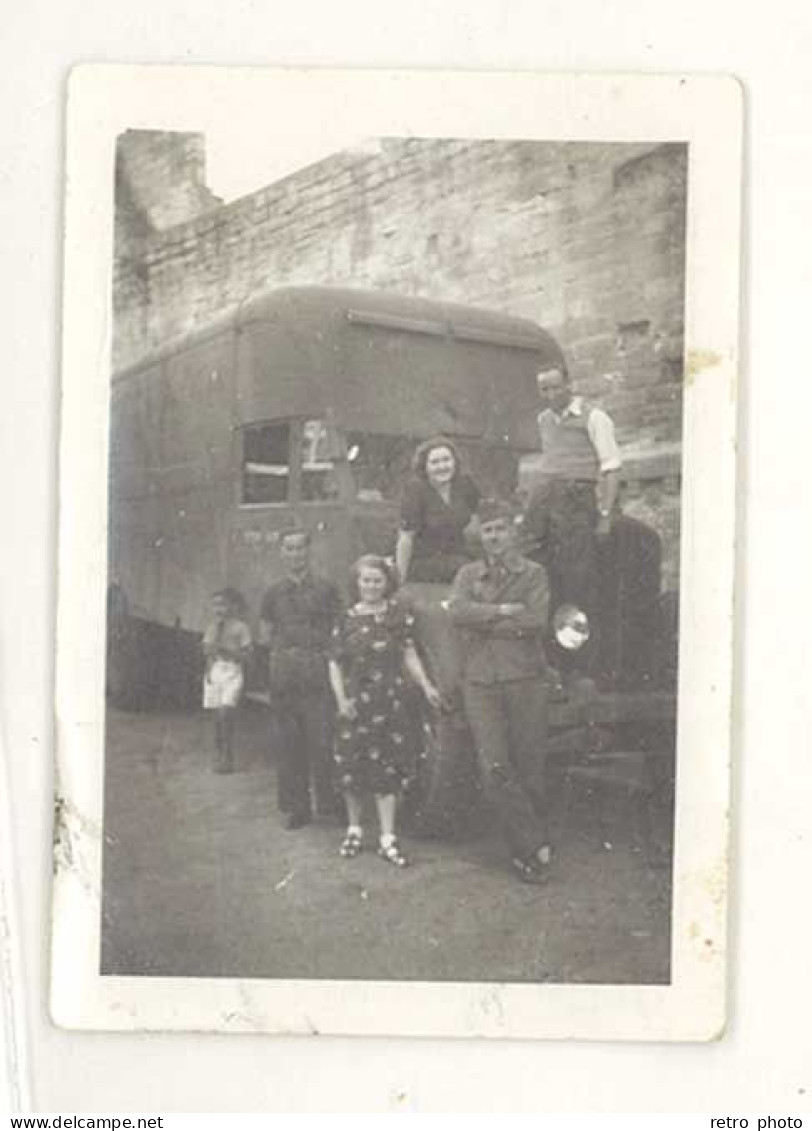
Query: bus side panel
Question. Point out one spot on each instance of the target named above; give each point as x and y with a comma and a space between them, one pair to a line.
387, 381
286, 369
196, 480
197, 408
171, 484
133, 504
192, 555
419, 384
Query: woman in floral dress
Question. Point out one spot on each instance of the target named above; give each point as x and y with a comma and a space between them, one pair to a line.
373, 651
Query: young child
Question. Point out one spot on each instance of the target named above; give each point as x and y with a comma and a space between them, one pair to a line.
226, 643
372, 651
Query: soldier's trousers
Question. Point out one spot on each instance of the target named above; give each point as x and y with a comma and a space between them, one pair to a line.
509, 724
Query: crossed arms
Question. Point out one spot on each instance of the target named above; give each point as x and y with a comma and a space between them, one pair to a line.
523, 612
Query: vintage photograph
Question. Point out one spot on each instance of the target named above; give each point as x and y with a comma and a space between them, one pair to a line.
394, 543
394, 493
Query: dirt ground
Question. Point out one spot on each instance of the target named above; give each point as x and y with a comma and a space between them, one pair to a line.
200, 879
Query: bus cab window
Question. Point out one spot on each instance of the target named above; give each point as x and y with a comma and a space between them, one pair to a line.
379, 464
266, 463
319, 481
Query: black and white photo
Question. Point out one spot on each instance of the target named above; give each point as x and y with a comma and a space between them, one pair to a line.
404, 498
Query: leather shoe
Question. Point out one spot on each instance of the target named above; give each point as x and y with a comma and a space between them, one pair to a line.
533, 869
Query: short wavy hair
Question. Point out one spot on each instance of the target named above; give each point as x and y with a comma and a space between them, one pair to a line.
423, 451
373, 561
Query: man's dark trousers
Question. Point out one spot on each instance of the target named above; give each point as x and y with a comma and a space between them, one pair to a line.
303, 730
509, 723
562, 516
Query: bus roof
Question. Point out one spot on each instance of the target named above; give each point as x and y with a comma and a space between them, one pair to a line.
381, 362
408, 313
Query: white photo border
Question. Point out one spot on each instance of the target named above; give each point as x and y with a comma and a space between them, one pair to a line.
704, 112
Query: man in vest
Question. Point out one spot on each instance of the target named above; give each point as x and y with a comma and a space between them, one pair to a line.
573, 503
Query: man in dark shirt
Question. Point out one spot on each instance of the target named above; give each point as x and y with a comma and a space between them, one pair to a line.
500, 605
296, 620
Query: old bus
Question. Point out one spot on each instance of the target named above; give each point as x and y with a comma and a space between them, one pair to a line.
304, 405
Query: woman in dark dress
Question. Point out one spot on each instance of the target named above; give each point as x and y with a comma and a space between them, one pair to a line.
437, 505
372, 654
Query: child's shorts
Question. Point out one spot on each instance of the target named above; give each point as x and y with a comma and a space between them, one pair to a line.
222, 686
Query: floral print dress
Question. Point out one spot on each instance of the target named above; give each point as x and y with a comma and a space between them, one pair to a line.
372, 751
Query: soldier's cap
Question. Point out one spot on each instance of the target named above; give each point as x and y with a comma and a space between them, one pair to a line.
489, 510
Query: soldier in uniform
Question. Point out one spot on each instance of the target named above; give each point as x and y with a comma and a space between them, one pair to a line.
501, 607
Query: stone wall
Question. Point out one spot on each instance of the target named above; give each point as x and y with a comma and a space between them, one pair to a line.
161, 178
586, 239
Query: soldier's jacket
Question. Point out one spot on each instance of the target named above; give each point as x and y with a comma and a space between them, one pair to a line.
496, 648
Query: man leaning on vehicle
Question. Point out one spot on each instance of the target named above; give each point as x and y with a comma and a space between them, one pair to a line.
573, 504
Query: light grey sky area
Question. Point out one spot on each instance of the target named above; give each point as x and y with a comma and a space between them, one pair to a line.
238, 162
